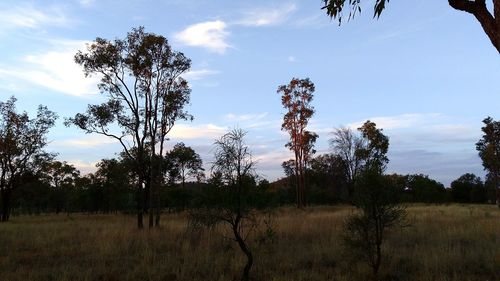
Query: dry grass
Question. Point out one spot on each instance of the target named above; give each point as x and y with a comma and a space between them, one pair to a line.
445, 243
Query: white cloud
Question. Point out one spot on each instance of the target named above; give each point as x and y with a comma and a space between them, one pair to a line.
55, 69
86, 142
204, 131
199, 74
210, 35
27, 16
267, 16
83, 167
86, 2
244, 117
292, 59
399, 121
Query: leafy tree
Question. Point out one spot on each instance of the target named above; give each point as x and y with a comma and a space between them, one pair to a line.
327, 179
489, 151
140, 77
111, 177
490, 21
468, 188
423, 189
61, 176
22, 140
374, 151
231, 204
360, 151
185, 163
296, 98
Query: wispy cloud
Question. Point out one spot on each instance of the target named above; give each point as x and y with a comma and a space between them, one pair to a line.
85, 142
399, 121
27, 16
86, 3
267, 16
199, 74
211, 35
245, 117
203, 131
54, 69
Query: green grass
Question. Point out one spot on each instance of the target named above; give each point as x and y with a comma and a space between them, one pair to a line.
445, 243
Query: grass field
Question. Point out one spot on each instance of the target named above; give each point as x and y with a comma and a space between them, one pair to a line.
445, 243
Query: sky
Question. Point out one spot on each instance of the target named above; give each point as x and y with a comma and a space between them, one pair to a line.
424, 73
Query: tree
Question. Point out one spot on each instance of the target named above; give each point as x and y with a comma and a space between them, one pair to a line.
185, 163
423, 189
375, 147
379, 210
140, 77
296, 98
231, 204
489, 151
359, 152
22, 140
347, 144
468, 188
61, 176
113, 180
490, 21
375, 197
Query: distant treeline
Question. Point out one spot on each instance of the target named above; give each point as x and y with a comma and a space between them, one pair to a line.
109, 190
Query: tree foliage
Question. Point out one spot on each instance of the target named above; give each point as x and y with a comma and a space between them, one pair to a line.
22, 140
489, 20
184, 162
489, 151
296, 98
141, 79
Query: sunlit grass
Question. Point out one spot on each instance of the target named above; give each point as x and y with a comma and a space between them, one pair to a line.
445, 243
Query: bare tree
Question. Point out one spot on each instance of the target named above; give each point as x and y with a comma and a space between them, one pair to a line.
22, 140
347, 144
233, 208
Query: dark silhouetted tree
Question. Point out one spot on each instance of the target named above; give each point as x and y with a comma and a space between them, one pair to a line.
296, 98
61, 176
22, 140
347, 144
379, 209
489, 151
361, 150
140, 77
185, 163
468, 188
232, 204
489, 20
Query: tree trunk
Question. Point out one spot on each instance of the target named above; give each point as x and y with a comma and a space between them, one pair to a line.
498, 197
244, 248
5, 205
140, 208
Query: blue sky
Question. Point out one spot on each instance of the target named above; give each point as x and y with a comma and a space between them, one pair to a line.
423, 72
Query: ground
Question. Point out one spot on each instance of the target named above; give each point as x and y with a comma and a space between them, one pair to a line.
445, 242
